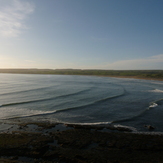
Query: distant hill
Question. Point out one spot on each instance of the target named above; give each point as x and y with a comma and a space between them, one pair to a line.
155, 74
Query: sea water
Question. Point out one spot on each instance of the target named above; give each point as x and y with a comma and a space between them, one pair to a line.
82, 100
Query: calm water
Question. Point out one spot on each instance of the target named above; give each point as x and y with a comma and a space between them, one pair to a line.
82, 99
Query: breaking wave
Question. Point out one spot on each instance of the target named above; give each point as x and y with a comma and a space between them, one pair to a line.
45, 99
157, 91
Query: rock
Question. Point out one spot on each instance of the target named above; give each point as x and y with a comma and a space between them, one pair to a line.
14, 158
20, 127
149, 127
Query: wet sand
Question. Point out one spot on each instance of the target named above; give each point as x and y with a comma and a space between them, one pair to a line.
62, 143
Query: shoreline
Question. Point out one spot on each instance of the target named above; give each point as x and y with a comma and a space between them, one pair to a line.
130, 77
54, 142
113, 76
9, 127
43, 142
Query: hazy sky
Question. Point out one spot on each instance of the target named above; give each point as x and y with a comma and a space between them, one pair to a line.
87, 34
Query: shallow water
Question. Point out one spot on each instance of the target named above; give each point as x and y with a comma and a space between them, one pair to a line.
82, 99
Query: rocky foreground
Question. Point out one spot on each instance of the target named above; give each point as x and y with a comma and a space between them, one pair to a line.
58, 143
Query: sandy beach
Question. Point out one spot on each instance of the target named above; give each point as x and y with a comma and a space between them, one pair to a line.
46, 142
136, 77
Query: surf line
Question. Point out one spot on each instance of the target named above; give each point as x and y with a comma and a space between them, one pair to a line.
155, 103
63, 110
45, 99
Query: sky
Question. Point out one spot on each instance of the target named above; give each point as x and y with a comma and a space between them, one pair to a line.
81, 34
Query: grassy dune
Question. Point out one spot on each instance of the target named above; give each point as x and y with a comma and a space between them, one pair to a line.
145, 74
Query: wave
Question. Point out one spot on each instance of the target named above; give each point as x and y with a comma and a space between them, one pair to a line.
93, 123
45, 113
102, 125
155, 103
45, 99
39, 113
157, 83
157, 91
125, 128
25, 91
112, 97
90, 104
152, 105
130, 118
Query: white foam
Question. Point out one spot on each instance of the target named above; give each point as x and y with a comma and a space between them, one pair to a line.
126, 127
153, 105
161, 83
90, 124
157, 91
15, 112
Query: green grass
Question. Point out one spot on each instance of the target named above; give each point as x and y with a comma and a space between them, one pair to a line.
158, 74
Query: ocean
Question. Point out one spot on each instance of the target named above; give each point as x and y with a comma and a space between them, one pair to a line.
81, 100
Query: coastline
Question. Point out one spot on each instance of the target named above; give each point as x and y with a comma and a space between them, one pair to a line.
136, 74
50, 142
111, 76
131, 77
53, 142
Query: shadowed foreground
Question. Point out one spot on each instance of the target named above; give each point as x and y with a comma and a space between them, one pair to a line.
58, 143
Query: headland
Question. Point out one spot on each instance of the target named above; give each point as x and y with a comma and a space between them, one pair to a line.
137, 74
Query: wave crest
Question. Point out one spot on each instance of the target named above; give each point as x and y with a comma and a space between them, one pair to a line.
157, 91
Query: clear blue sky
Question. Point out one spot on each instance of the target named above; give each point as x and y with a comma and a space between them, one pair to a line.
86, 34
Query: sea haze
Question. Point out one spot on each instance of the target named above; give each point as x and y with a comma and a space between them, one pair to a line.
82, 99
